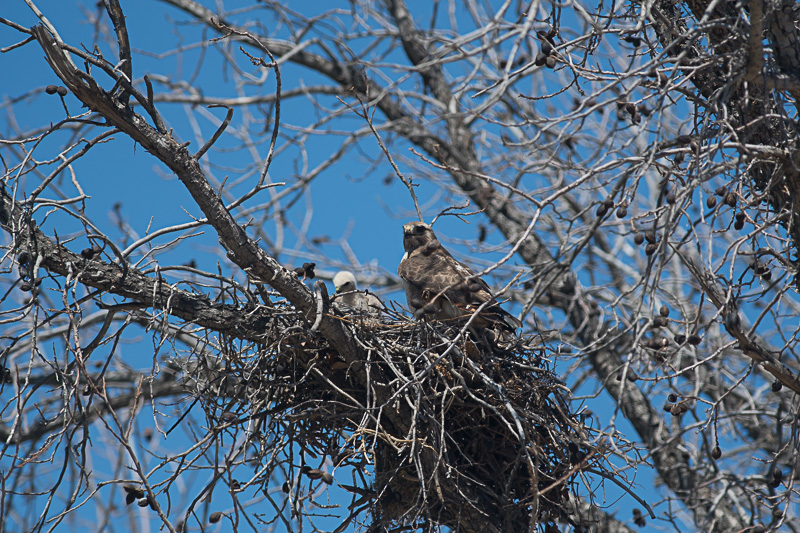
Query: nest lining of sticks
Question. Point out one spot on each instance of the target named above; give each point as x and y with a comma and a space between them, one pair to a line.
455, 428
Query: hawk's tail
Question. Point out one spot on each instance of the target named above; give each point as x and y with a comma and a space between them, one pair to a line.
495, 315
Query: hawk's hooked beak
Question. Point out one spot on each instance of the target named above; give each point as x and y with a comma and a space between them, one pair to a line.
343, 288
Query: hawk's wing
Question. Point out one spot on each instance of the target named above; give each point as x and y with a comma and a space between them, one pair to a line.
428, 274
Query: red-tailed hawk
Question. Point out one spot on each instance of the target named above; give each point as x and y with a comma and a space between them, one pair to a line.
348, 293
437, 284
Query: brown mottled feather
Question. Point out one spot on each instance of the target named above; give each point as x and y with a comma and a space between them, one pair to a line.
428, 269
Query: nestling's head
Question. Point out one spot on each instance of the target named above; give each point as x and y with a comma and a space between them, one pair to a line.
416, 234
344, 281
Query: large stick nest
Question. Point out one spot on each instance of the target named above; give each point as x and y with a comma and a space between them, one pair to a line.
458, 431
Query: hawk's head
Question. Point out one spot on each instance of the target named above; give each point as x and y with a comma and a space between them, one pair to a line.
417, 234
344, 281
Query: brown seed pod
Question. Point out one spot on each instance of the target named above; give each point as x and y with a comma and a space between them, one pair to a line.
738, 224
601, 211
550, 62
650, 249
776, 386
314, 473
622, 211
547, 48
716, 453
650, 236
730, 199
546, 35
659, 322
635, 41
777, 478
761, 269
721, 191
758, 267
540, 59
61, 90
671, 197
132, 492
678, 409
51, 89
215, 517
694, 339
630, 107
680, 338
672, 397
664, 311
638, 239
327, 478
711, 202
